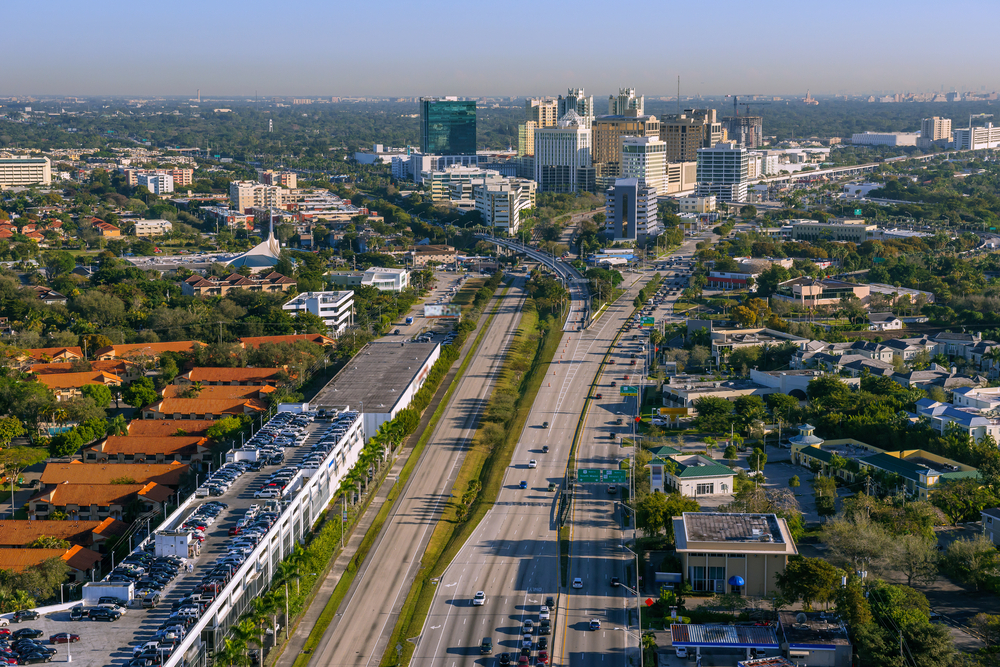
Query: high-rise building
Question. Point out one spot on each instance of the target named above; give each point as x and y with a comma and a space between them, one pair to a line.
244, 195
746, 131
685, 133
578, 101
447, 126
526, 138
935, 129
544, 111
645, 158
607, 139
24, 170
562, 156
631, 210
182, 177
287, 179
501, 203
156, 183
723, 172
625, 102
977, 138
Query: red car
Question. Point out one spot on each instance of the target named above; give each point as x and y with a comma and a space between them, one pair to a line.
4, 632
235, 530
543, 657
64, 638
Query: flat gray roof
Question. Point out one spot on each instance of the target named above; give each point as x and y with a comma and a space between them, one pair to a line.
723, 527
376, 377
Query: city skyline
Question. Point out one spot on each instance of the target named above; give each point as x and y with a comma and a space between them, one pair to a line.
341, 50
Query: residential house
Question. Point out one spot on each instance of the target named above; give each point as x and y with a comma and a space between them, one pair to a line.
19, 533
194, 408
69, 385
48, 296
975, 422
204, 286
991, 524
157, 428
75, 472
83, 563
257, 341
105, 229
45, 355
140, 449
146, 351
733, 552
256, 377
939, 376
97, 502
217, 392
125, 370
884, 322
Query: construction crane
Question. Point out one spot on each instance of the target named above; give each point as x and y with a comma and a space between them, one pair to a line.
737, 103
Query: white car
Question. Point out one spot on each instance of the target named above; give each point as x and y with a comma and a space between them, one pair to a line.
681, 651
543, 613
532, 463
578, 583
479, 600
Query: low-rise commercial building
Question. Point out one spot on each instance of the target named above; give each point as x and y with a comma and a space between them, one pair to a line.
153, 227
24, 170
423, 255
812, 293
698, 205
335, 308
885, 138
387, 280
690, 475
854, 231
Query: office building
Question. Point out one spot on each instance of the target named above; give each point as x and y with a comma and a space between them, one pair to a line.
625, 102
502, 202
447, 126
526, 138
607, 133
544, 112
935, 129
245, 195
746, 131
884, 138
24, 170
387, 280
631, 209
851, 230
182, 177
644, 158
578, 101
153, 227
286, 179
156, 183
977, 138
697, 205
685, 133
681, 177
454, 183
419, 163
722, 171
562, 156
335, 308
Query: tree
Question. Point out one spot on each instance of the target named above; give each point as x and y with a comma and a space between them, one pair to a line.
140, 393
782, 406
749, 409
809, 579
757, 459
973, 561
99, 393
793, 482
10, 428
916, 557
748, 212
48, 542
987, 625
730, 453
714, 413
15, 460
857, 544
654, 511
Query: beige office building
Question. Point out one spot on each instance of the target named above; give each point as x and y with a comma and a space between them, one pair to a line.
935, 129
607, 133
526, 138
24, 170
855, 231
644, 158
543, 111
685, 133
244, 195
286, 179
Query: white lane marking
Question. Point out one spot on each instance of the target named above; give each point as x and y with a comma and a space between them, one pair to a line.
447, 614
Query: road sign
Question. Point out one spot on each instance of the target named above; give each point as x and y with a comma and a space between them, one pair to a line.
857, 211
650, 602
646, 322
584, 475
626, 390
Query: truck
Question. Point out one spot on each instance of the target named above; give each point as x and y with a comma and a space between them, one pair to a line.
94, 591
409, 320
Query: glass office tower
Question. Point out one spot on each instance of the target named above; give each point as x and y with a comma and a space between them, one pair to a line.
447, 126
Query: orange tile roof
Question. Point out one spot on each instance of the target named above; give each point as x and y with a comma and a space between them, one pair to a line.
156, 492
74, 380
85, 495
103, 473
17, 533
111, 527
45, 353
168, 427
147, 349
256, 341
150, 445
197, 406
19, 560
81, 558
213, 374
214, 392
112, 366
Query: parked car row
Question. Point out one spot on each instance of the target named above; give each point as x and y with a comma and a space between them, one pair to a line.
202, 517
23, 647
149, 573
222, 479
256, 523
329, 439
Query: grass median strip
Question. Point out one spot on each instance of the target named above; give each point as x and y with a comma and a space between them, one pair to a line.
340, 592
479, 480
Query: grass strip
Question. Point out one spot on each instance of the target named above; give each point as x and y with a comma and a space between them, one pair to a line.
564, 554
485, 463
344, 585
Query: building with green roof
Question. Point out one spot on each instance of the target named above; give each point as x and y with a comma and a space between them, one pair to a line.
690, 475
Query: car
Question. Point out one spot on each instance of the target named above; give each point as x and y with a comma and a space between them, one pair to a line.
523, 660
526, 644
614, 384
529, 627
532, 463
544, 627
523, 484
26, 633
479, 600
504, 659
545, 424
543, 657
543, 643
545, 449
611, 361
64, 638
681, 651
34, 658
612, 490
599, 396
595, 624
24, 615
615, 582
578, 583
105, 614
543, 613
550, 602
552, 486
486, 646
619, 421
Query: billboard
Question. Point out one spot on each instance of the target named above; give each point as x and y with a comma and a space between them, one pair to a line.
441, 310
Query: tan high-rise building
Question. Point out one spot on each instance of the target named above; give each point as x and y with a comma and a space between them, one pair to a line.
526, 138
935, 129
244, 195
685, 133
607, 133
544, 111
286, 179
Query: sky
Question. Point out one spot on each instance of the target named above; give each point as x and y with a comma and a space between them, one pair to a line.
475, 48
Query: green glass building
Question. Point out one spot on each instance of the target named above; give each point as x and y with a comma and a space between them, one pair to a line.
447, 126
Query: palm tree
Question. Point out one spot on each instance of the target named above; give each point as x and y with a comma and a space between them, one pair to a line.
117, 425
993, 356
233, 653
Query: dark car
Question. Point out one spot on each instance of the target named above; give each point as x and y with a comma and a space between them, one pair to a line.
64, 638
24, 615
615, 582
599, 396
545, 449
524, 484
78, 613
105, 614
550, 602
505, 659
612, 490
34, 658
26, 633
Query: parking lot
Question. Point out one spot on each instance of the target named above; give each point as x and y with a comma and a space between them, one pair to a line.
106, 643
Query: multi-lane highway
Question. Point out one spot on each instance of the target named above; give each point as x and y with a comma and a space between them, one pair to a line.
366, 618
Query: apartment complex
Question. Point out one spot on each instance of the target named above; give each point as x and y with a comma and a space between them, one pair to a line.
156, 183
153, 227
245, 195
447, 126
526, 138
685, 133
181, 177
203, 286
723, 172
501, 203
607, 133
935, 129
563, 157
286, 179
335, 308
543, 112
25, 170
645, 158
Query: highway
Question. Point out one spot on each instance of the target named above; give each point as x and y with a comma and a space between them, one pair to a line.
361, 629
513, 555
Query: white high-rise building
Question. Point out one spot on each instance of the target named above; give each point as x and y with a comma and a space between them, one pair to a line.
723, 172
335, 308
156, 182
562, 156
501, 203
577, 100
25, 170
645, 158
625, 102
977, 138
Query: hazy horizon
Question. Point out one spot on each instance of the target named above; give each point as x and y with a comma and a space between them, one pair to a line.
439, 47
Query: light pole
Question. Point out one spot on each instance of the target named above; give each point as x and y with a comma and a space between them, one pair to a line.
638, 611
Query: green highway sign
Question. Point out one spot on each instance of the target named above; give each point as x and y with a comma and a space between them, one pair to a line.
600, 475
857, 211
646, 322
626, 390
